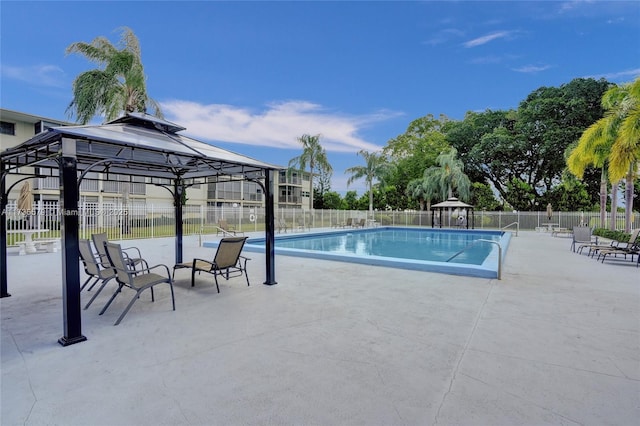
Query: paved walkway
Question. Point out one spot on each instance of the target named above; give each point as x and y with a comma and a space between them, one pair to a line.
556, 341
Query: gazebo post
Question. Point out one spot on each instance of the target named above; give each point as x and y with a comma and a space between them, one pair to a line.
69, 194
3, 233
269, 229
177, 202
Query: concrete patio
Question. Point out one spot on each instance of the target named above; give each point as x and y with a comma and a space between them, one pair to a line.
556, 341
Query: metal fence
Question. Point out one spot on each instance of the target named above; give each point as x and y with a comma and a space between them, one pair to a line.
148, 221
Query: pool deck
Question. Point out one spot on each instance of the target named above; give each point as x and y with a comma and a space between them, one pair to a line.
556, 341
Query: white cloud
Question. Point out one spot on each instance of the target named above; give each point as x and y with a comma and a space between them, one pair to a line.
628, 74
443, 36
531, 69
486, 38
278, 125
38, 75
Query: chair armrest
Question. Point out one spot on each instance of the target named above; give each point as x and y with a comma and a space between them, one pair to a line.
155, 267
134, 248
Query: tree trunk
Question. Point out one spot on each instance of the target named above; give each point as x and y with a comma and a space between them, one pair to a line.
371, 199
421, 204
614, 205
628, 200
603, 200
311, 190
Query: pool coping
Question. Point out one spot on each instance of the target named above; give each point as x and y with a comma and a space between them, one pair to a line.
488, 269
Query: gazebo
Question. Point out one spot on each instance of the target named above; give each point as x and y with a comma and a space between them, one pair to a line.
135, 145
449, 206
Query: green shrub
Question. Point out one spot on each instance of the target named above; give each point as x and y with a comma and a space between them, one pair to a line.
612, 235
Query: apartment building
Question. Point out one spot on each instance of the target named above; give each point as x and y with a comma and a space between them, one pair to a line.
292, 188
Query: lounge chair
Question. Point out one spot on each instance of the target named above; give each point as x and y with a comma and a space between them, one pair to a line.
93, 268
226, 228
302, 225
281, 224
595, 248
349, 223
133, 261
582, 235
138, 280
360, 224
227, 262
631, 248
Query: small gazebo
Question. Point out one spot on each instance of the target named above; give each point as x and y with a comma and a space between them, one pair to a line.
449, 207
136, 144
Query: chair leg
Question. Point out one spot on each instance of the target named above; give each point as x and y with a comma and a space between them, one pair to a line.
133, 300
193, 277
85, 283
215, 277
173, 299
115, 293
104, 283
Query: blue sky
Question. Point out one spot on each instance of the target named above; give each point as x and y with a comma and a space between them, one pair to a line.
251, 77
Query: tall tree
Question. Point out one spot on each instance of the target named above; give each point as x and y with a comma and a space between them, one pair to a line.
502, 147
118, 84
376, 168
625, 152
448, 176
613, 144
314, 156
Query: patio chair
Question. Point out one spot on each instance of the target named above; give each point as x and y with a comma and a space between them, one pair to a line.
138, 280
302, 225
360, 224
631, 248
227, 262
226, 228
349, 223
99, 241
595, 248
281, 224
93, 268
582, 235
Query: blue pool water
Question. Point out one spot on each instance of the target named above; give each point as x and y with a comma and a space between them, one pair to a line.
408, 248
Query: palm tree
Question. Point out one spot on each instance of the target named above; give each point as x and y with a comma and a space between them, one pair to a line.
313, 155
419, 189
613, 144
375, 168
117, 86
625, 152
448, 176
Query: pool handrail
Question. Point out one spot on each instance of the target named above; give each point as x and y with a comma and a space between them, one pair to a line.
514, 223
473, 243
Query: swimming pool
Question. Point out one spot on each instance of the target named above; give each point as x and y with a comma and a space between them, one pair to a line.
421, 249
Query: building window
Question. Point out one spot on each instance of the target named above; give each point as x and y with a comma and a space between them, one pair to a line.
7, 128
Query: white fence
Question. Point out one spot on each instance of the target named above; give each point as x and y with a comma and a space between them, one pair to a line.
148, 221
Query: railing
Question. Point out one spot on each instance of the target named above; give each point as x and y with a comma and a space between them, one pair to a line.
484, 241
150, 221
511, 224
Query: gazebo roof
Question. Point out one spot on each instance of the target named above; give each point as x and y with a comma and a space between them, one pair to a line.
452, 202
140, 145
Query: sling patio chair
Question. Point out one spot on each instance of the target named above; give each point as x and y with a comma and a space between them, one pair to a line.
139, 279
94, 269
99, 241
595, 248
227, 262
632, 248
281, 224
226, 228
582, 235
